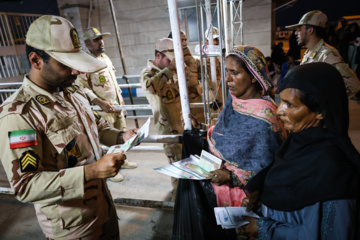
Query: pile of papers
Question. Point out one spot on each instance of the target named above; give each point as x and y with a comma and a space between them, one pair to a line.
193, 167
231, 217
140, 135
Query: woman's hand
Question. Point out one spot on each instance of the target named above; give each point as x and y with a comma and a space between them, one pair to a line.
222, 176
194, 122
252, 202
250, 229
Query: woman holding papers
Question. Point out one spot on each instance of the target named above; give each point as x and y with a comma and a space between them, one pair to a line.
311, 190
247, 133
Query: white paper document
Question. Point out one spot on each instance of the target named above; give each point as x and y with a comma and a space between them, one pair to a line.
141, 135
231, 217
193, 167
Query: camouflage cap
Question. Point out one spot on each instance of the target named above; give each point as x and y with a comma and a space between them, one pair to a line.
58, 38
166, 46
314, 18
92, 33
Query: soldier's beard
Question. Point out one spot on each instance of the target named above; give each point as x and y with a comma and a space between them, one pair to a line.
69, 81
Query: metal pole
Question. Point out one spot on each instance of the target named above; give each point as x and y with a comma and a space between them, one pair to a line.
13, 42
203, 79
231, 22
211, 43
179, 57
90, 13
222, 23
121, 56
226, 27
207, 77
241, 24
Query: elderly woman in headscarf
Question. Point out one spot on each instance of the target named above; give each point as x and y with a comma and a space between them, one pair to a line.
246, 136
247, 133
311, 190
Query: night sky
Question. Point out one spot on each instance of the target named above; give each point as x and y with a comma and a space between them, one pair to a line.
334, 9
49, 7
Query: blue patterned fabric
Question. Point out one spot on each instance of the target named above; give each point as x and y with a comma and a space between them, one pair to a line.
329, 220
255, 143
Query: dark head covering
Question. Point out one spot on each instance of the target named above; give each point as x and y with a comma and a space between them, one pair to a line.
325, 83
318, 163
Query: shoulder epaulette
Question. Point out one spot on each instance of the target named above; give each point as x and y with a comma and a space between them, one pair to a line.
73, 88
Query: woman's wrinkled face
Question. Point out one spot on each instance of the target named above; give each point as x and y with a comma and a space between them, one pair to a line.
295, 115
238, 80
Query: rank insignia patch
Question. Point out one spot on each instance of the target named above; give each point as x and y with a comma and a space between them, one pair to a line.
97, 115
71, 89
42, 99
29, 161
102, 79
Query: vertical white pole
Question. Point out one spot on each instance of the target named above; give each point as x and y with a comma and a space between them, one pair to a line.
241, 23
199, 11
211, 42
232, 24
226, 26
179, 58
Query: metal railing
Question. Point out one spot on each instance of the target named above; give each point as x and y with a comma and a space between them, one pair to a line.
13, 61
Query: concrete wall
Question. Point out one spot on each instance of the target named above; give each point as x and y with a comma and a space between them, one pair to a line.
257, 19
141, 23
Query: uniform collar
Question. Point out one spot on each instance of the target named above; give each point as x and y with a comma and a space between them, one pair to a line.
41, 95
34, 90
312, 54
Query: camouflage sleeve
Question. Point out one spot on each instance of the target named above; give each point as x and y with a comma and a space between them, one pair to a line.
352, 83
84, 82
22, 162
107, 134
154, 82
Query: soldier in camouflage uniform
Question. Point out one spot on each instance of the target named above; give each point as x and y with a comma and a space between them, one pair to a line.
51, 151
310, 33
192, 72
161, 88
102, 88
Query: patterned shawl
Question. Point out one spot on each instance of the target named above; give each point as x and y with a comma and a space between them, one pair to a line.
248, 132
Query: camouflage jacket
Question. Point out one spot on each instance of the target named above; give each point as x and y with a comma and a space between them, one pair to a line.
47, 140
323, 52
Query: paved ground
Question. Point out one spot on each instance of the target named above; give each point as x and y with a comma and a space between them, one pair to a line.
18, 220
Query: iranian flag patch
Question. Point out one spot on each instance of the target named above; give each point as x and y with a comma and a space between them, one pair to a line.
22, 138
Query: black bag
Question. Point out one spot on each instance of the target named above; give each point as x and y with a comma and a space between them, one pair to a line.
194, 217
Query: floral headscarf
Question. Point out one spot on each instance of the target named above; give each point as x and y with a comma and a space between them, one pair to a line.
256, 63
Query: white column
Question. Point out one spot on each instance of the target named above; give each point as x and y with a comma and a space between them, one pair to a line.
179, 58
226, 27
211, 42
